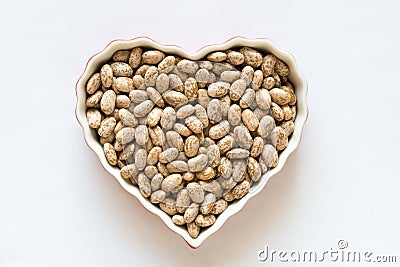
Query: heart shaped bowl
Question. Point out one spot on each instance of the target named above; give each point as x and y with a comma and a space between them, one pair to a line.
262, 45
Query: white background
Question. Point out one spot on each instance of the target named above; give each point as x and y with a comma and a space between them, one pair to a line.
58, 207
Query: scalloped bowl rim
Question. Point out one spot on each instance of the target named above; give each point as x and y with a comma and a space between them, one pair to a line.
261, 44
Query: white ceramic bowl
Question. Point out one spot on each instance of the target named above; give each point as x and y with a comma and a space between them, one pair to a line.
263, 45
